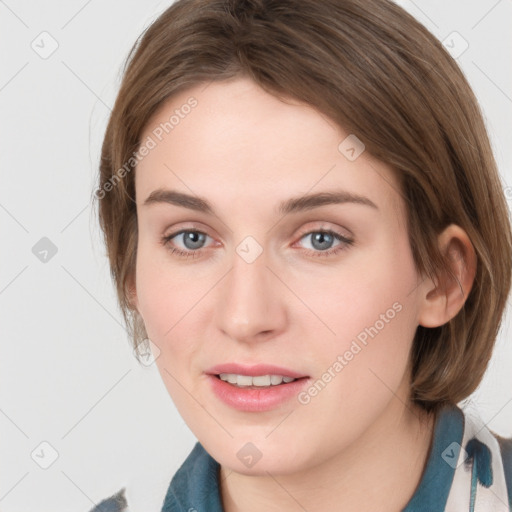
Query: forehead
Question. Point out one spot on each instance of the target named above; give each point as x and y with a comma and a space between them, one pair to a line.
233, 142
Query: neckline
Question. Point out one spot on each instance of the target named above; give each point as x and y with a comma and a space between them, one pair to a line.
198, 479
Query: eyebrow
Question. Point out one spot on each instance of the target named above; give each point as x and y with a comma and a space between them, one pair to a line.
292, 205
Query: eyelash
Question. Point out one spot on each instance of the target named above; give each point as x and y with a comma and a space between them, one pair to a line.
346, 242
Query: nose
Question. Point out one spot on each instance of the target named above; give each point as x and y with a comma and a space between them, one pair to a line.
250, 305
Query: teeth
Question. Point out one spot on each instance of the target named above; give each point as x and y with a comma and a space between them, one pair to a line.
260, 380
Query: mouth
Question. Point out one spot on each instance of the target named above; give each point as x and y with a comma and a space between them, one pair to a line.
258, 392
256, 381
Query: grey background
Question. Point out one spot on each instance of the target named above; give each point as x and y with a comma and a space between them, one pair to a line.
67, 374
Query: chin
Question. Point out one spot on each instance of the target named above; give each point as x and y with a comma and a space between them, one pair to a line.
257, 459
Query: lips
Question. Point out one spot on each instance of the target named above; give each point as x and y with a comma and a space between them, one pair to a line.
257, 399
254, 370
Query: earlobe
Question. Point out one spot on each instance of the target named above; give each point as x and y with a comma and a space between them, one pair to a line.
445, 297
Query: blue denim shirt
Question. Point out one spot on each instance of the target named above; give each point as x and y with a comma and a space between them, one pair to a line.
195, 486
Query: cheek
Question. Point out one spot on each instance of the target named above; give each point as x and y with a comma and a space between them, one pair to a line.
165, 299
371, 313
368, 298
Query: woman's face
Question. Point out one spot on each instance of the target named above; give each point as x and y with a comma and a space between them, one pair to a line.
282, 268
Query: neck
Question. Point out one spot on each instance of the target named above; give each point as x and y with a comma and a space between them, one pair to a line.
391, 454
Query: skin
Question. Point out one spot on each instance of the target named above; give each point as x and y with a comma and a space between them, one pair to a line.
245, 151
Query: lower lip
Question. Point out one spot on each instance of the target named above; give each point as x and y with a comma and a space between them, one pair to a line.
256, 400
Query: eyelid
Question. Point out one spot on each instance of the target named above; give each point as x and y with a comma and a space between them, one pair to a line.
324, 226
186, 227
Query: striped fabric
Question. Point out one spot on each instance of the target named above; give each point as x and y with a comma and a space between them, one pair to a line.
480, 468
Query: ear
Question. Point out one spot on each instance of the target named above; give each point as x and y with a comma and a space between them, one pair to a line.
442, 300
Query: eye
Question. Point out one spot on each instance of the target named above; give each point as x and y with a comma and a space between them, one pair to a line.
191, 239
322, 240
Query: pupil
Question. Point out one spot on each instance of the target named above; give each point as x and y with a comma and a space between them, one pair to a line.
195, 238
321, 237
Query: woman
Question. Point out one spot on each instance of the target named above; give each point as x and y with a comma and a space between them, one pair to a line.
306, 228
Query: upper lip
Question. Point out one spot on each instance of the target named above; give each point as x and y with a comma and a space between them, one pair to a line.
253, 370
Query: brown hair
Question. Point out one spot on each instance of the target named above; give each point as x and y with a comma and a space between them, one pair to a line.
379, 74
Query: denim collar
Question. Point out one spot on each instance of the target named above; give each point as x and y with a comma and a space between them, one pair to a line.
195, 486
432, 492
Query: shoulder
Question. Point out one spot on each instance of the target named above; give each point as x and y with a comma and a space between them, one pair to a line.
483, 465
506, 448
505, 444
194, 486
114, 503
